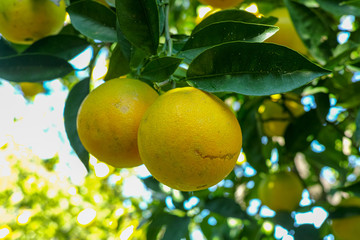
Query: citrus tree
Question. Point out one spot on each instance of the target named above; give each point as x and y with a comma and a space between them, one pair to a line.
245, 113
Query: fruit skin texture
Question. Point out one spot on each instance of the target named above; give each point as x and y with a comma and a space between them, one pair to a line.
276, 114
287, 35
109, 117
189, 139
347, 228
222, 3
281, 191
26, 21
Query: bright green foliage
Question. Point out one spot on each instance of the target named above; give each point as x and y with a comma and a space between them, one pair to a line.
165, 44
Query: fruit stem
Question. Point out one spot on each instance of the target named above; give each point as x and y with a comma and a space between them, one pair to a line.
168, 40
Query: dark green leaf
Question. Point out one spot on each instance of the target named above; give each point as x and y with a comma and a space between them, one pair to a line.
139, 22
72, 105
354, 188
233, 15
6, 49
252, 149
323, 105
284, 219
307, 231
223, 32
326, 158
94, 20
339, 8
176, 227
160, 69
152, 183
226, 207
251, 69
63, 46
33, 68
297, 133
357, 131
314, 29
349, 96
344, 212
229, 31
118, 65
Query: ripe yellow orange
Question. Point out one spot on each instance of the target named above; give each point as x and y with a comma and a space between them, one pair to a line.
347, 228
189, 139
281, 191
31, 89
276, 113
222, 3
109, 117
26, 21
287, 35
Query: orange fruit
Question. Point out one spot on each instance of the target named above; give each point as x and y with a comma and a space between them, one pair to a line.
189, 139
222, 3
109, 117
287, 35
347, 228
26, 21
277, 113
31, 89
281, 191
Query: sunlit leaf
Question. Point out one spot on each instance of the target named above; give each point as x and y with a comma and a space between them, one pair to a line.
251, 69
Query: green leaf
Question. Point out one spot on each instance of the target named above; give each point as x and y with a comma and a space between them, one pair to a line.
233, 15
6, 49
118, 65
94, 20
226, 207
307, 231
314, 29
160, 68
344, 212
252, 149
297, 133
322, 106
176, 227
349, 96
339, 8
33, 68
354, 188
223, 32
357, 131
251, 69
72, 105
62, 46
139, 22
152, 183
